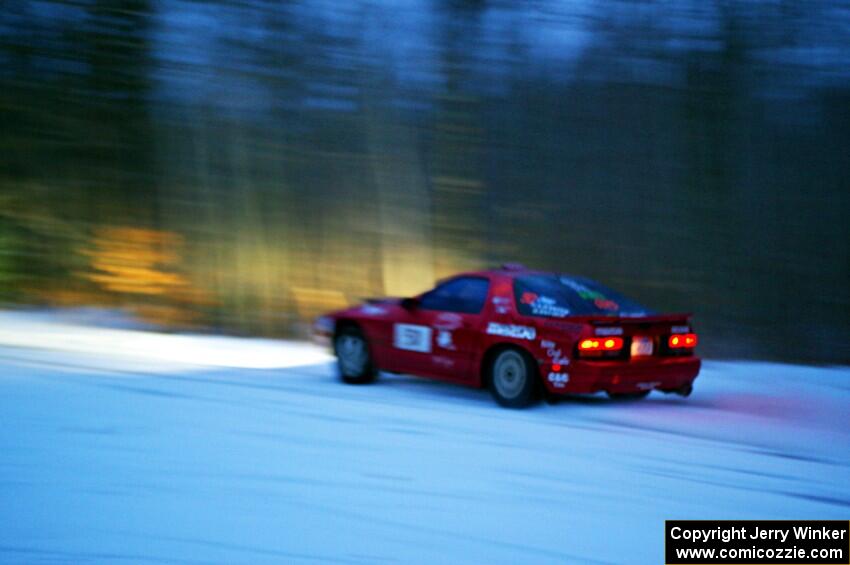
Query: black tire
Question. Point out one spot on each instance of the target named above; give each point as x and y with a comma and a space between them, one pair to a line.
512, 376
354, 361
628, 395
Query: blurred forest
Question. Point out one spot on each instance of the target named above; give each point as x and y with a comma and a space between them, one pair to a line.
243, 165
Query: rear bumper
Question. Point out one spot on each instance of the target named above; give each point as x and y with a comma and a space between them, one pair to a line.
626, 376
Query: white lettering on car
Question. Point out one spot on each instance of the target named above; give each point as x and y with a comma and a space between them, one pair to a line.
557, 357
500, 304
554, 353
545, 306
510, 330
559, 379
411, 337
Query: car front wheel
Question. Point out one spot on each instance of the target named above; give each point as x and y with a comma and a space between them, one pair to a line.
353, 359
512, 379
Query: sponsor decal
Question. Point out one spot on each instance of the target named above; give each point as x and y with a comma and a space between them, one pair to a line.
543, 305
599, 299
510, 330
609, 331
448, 321
443, 361
501, 303
372, 310
582, 290
605, 304
444, 339
559, 379
528, 298
411, 337
563, 326
554, 353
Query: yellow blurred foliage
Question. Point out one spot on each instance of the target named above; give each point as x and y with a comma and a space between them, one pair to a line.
311, 302
140, 261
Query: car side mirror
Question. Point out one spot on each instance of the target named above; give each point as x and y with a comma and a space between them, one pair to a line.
409, 303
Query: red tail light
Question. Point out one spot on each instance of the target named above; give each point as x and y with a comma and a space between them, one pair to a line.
680, 341
600, 344
604, 346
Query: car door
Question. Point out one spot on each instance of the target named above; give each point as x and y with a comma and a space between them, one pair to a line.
441, 333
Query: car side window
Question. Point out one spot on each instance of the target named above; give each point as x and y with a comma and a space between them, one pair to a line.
466, 295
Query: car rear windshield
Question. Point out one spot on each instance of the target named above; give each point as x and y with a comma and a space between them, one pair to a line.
558, 296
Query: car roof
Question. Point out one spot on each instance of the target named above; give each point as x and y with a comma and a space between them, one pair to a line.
511, 270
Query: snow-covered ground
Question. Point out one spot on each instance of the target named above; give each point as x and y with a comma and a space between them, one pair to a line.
126, 446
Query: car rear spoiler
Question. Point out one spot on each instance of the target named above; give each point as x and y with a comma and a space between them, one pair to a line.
626, 320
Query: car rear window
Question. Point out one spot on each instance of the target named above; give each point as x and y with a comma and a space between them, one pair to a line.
558, 296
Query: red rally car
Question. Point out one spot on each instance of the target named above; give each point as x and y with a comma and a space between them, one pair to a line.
515, 330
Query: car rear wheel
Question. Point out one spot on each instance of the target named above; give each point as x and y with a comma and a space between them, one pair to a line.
512, 379
353, 359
